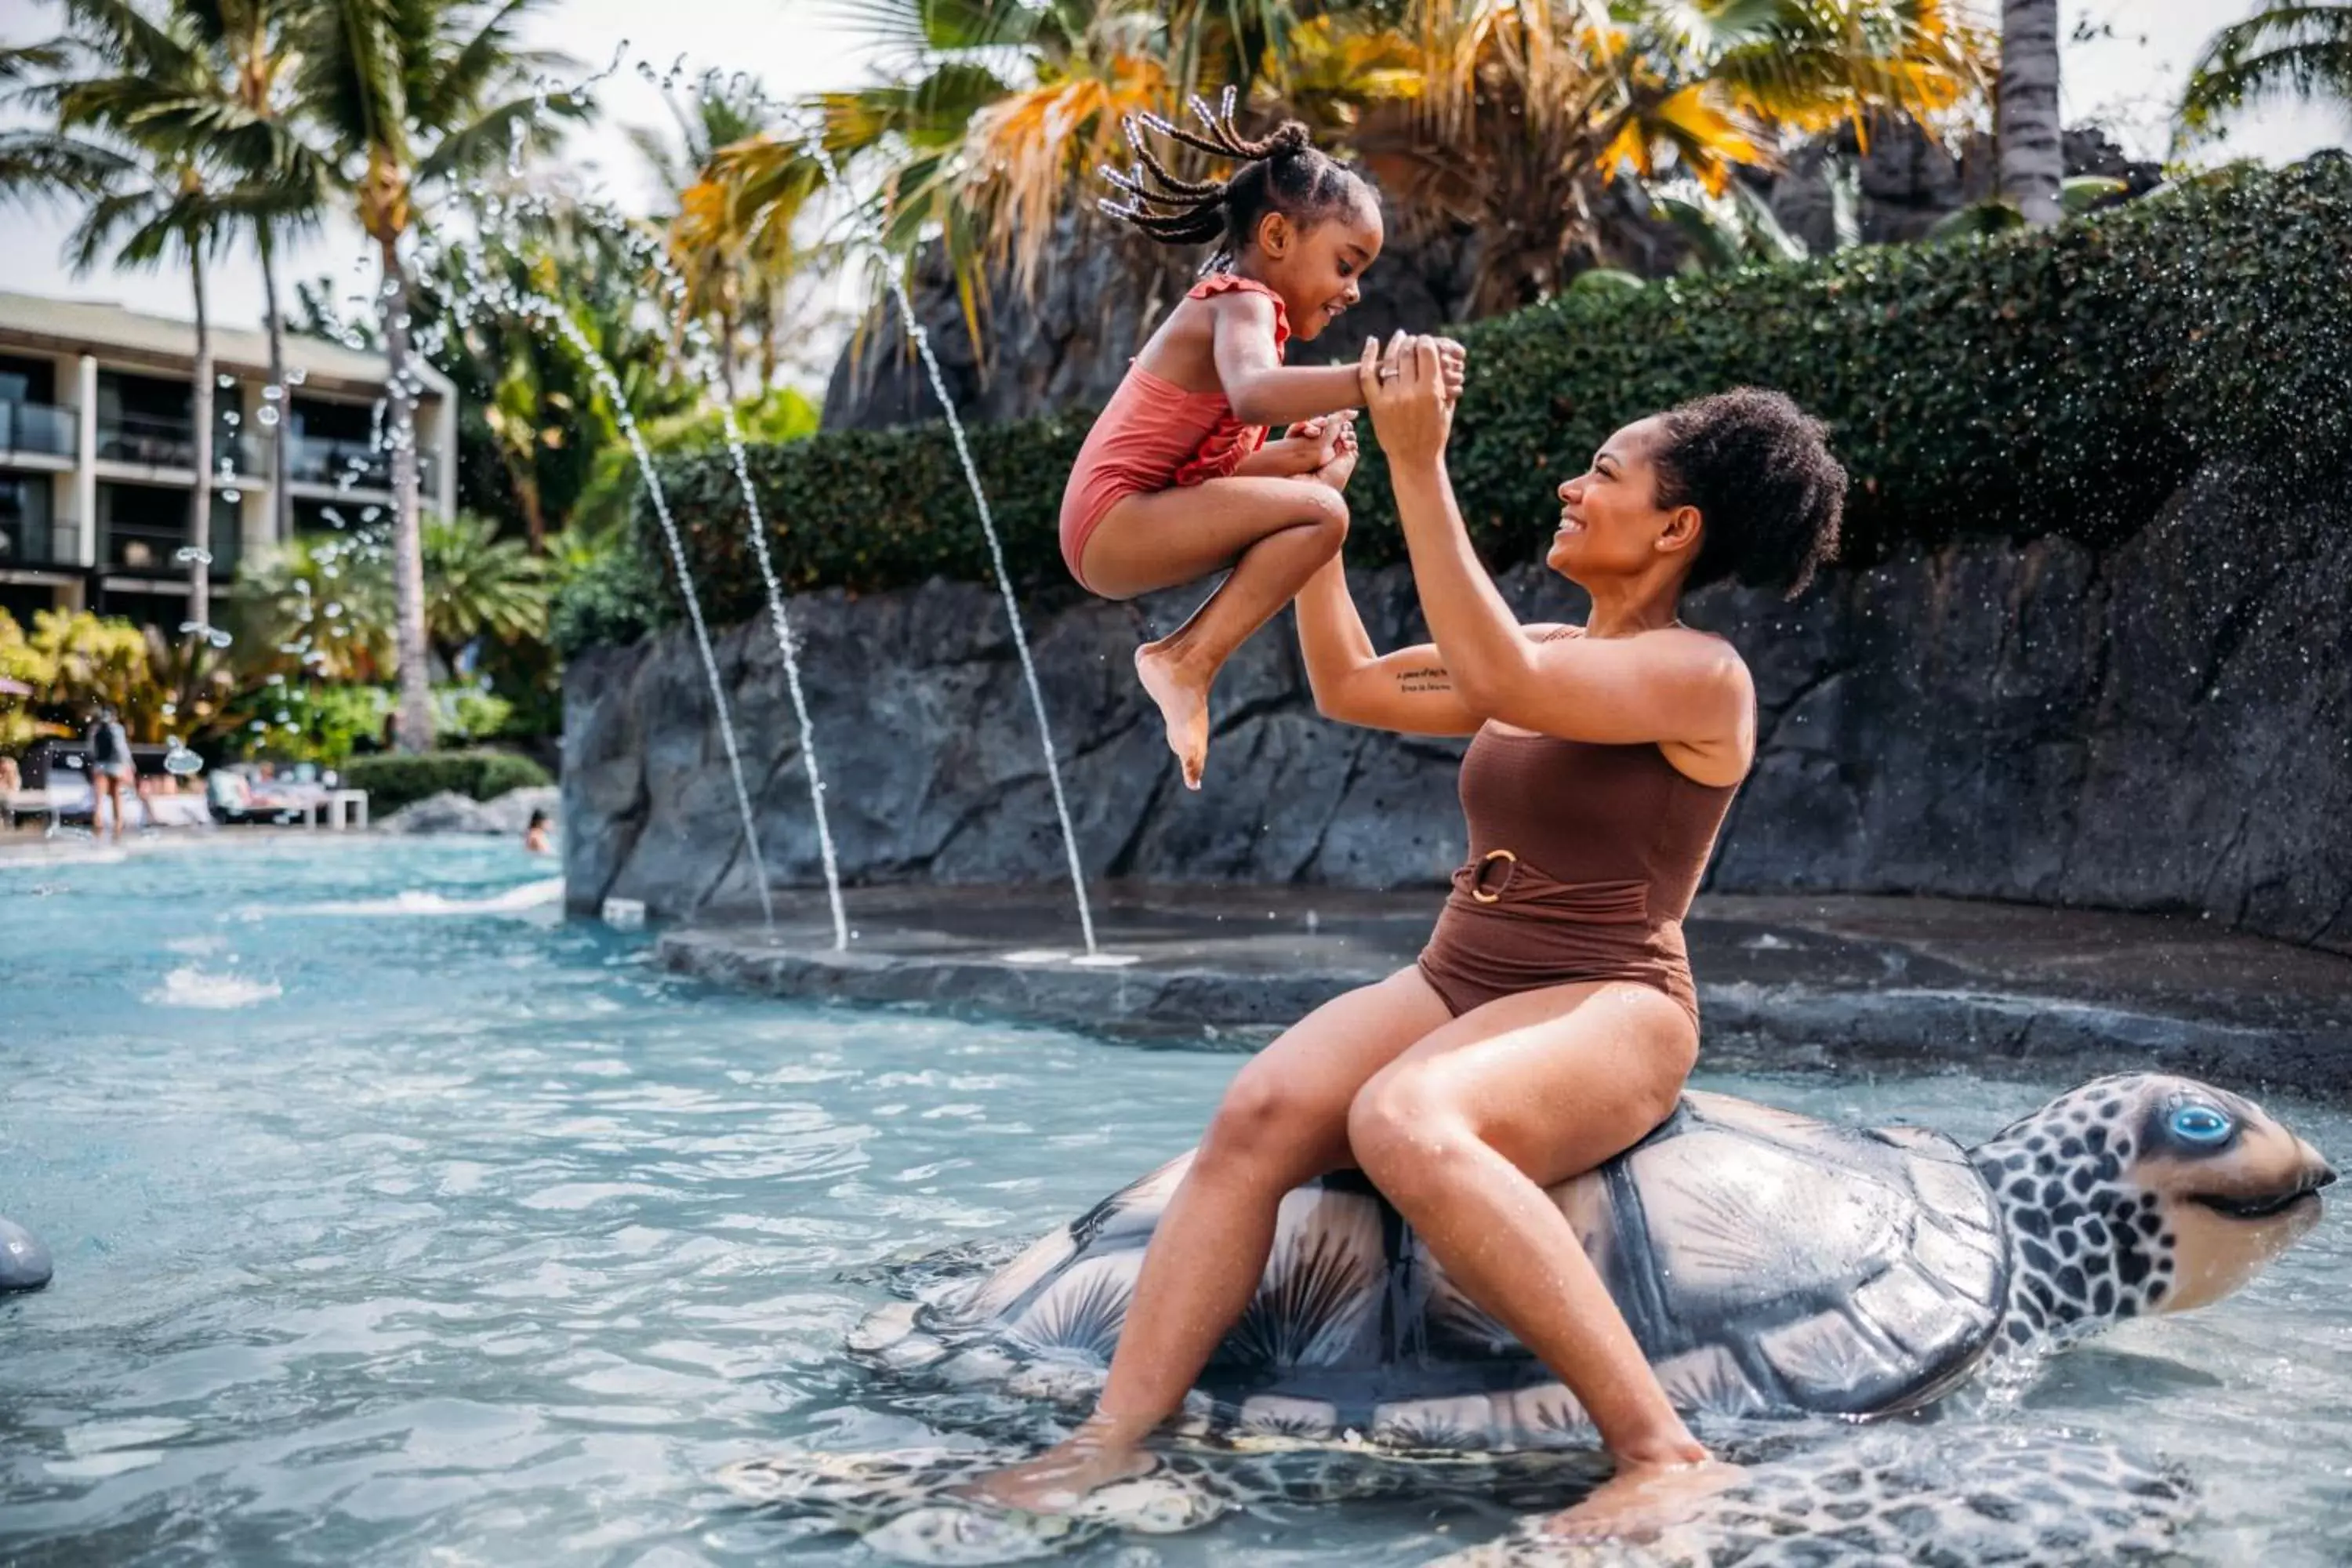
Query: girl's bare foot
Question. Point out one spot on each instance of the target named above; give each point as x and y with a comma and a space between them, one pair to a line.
1183, 701
1058, 1479
1642, 1500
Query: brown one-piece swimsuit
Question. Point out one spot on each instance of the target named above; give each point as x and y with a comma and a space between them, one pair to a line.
1583, 859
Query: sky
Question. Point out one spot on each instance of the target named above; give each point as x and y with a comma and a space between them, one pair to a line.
2123, 64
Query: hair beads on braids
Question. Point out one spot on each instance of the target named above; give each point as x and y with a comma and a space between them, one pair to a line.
1279, 172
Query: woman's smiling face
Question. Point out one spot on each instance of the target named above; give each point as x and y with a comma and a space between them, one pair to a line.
1610, 519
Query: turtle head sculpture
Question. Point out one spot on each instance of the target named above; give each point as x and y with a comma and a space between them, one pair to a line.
2143, 1193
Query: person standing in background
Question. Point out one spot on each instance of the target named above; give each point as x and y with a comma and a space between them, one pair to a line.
108, 749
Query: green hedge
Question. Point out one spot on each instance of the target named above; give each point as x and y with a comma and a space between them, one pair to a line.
393, 780
2063, 382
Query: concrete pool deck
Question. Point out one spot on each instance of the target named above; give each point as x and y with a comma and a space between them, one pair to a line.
1890, 982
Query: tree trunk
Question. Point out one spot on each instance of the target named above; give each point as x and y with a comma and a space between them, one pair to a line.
407, 526
2025, 115
281, 505
727, 351
200, 517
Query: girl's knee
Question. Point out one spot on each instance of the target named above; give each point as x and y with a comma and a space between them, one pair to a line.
1328, 511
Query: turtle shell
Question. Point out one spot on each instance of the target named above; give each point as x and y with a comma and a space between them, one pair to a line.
1768, 1262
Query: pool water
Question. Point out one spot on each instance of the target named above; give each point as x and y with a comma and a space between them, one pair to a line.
398, 1221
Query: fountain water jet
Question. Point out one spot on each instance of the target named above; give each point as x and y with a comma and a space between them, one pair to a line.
756, 525
603, 372
871, 233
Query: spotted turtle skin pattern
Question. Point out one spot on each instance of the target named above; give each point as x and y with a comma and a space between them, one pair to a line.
2091, 1246
1769, 1264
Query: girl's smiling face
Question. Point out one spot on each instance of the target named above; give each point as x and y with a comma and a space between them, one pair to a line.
1317, 268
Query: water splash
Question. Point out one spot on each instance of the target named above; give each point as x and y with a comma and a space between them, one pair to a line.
871, 233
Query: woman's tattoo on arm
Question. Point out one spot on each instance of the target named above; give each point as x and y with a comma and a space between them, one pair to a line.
1428, 678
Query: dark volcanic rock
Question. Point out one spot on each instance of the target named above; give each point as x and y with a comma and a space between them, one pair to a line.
2164, 725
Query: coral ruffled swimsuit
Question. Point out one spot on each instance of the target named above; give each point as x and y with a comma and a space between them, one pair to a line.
1155, 435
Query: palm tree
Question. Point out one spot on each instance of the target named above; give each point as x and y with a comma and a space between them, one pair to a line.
734, 257
1511, 116
2294, 51
1526, 115
414, 96
147, 196
244, 116
483, 587
2025, 110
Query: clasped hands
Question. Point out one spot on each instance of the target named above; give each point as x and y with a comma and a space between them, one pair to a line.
1410, 387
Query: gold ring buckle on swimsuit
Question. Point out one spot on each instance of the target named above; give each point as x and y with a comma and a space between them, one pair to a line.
1478, 892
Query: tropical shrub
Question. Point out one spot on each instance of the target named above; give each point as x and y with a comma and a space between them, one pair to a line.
394, 781
2063, 382
72, 662
305, 721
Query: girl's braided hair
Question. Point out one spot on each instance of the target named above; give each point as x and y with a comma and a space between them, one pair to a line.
1281, 172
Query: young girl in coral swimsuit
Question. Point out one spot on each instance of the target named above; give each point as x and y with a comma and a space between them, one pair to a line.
1177, 479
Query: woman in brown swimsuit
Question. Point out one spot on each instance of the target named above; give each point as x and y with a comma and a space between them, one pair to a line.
1551, 1020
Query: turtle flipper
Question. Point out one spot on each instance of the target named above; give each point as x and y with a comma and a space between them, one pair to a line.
1896, 1495
912, 1505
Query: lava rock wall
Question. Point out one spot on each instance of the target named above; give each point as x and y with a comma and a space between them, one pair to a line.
2165, 724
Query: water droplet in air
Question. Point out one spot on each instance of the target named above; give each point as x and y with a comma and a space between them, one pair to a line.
368, 514
225, 382
272, 393
268, 415
218, 638
334, 609
232, 497
180, 762
189, 555
297, 376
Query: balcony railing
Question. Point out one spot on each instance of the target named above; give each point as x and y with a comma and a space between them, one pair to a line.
37, 427
152, 440
24, 544
158, 441
153, 552
324, 460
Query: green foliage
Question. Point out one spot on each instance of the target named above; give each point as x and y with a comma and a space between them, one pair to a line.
2063, 382
72, 663
469, 713
308, 723
613, 487
613, 599
394, 781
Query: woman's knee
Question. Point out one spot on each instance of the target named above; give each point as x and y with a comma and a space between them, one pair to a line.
1402, 1124
1269, 1120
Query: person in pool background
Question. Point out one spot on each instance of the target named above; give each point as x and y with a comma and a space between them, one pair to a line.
535, 833
1551, 1022
1176, 480
111, 771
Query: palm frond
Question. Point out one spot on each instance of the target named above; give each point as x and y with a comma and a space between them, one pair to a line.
2302, 52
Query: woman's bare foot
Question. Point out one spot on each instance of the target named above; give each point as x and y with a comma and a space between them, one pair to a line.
1642, 1500
1058, 1479
1184, 700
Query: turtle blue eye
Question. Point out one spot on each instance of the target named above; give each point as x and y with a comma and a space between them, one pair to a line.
2199, 1124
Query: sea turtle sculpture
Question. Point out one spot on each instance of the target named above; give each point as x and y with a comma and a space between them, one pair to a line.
1770, 1264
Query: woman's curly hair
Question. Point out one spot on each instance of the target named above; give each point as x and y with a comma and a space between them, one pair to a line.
1770, 494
